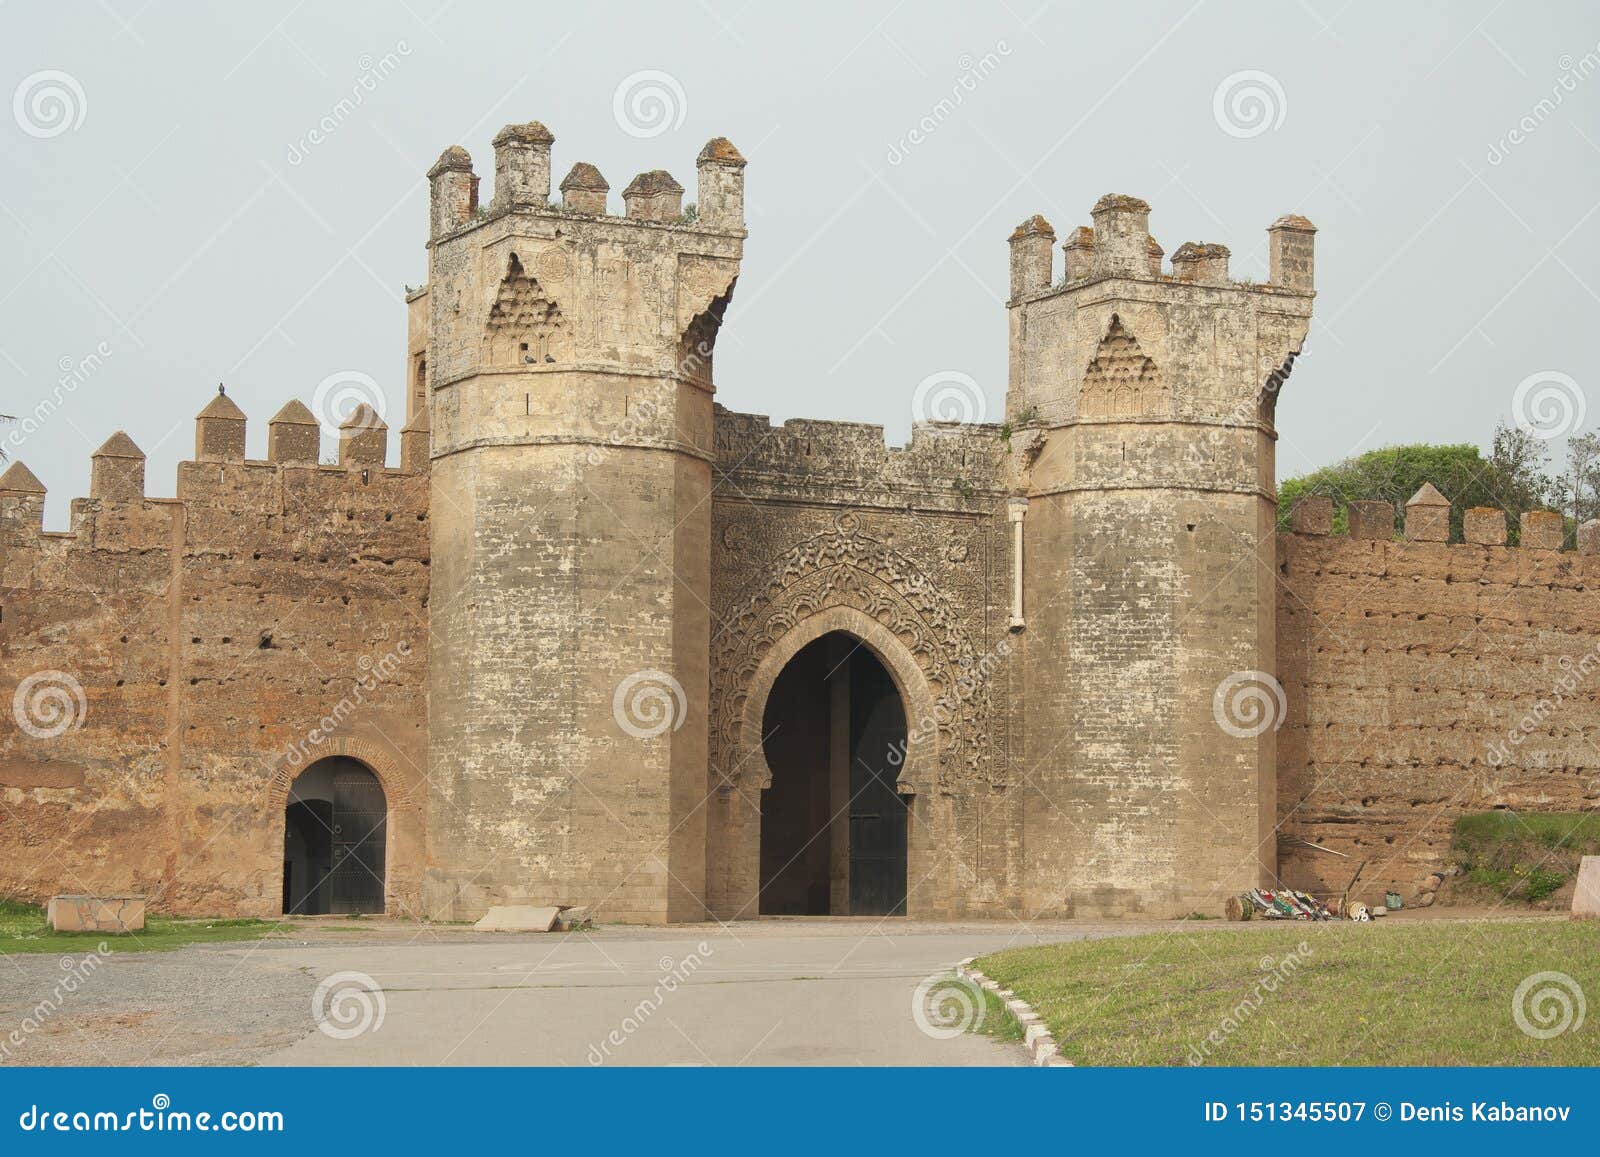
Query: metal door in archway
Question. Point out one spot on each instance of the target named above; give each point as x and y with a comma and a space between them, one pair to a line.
360, 814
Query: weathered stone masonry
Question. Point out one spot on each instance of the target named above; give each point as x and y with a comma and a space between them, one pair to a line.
574, 517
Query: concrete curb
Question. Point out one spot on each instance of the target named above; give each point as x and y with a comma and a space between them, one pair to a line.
1036, 1037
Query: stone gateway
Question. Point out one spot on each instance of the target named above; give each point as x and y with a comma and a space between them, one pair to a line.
598, 641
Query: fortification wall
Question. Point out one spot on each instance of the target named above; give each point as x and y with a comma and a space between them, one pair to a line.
174, 662
1425, 679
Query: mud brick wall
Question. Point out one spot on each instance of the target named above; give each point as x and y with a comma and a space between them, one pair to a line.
1408, 666
210, 634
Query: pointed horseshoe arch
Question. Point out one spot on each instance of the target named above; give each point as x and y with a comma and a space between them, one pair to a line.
921, 763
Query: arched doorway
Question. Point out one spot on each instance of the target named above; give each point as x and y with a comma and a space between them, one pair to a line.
833, 825
335, 829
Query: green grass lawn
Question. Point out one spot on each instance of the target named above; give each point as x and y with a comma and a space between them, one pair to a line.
23, 929
1434, 993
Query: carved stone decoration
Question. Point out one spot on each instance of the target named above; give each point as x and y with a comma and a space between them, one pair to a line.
1121, 382
525, 325
922, 634
554, 264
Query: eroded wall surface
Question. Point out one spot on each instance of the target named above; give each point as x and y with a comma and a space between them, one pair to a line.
1425, 680
170, 664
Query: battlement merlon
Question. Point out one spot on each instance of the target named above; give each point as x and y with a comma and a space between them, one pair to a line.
1213, 348
1427, 519
522, 184
565, 323
946, 466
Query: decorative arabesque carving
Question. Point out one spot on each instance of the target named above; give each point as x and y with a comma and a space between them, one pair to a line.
848, 568
1122, 382
525, 325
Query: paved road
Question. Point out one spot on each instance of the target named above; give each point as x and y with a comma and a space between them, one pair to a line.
835, 992
762, 993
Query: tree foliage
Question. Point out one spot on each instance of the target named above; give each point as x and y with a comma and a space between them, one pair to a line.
1511, 477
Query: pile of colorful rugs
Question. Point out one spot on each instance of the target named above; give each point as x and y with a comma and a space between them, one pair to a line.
1280, 904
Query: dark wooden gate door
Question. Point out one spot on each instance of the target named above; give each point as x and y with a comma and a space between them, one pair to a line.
878, 815
360, 815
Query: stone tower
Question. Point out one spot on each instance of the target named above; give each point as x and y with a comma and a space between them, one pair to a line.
569, 394
1149, 705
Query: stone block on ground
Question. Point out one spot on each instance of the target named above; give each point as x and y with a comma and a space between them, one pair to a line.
574, 920
518, 918
96, 913
1586, 896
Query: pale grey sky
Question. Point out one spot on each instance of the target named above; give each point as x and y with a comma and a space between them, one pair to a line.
170, 209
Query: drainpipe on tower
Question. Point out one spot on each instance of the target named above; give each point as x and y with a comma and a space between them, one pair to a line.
1016, 508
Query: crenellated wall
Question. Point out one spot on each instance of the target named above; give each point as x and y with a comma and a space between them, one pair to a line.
1425, 679
174, 662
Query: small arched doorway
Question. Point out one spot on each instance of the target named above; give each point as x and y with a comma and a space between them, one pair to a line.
335, 829
833, 825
